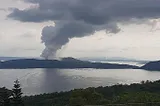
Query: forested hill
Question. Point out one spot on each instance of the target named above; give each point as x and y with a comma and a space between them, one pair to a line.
144, 94
154, 66
63, 63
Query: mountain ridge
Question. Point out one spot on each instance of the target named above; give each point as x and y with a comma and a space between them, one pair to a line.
71, 63
152, 66
62, 63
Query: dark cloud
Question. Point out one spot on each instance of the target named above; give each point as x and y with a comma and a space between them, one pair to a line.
90, 11
78, 18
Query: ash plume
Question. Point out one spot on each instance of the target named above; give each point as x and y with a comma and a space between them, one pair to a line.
79, 18
54, 37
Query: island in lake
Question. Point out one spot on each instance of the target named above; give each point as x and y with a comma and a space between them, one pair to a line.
71, 63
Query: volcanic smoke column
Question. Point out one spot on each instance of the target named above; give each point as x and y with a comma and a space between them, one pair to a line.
54, 37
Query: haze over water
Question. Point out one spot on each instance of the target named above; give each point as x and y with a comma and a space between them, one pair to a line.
37, 81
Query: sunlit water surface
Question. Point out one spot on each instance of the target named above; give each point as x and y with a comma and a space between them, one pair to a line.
37, 81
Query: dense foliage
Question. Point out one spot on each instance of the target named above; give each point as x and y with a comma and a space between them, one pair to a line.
5, 95
143, 94
146, 93
11, 97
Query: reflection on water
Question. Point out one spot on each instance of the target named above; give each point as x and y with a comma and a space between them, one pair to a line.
36, 81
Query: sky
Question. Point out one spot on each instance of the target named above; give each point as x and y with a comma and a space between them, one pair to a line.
80, 28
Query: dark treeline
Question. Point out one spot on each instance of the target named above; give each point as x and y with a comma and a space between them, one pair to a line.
146, 93
11, 97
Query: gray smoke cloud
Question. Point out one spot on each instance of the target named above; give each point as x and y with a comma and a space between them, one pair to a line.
79, 18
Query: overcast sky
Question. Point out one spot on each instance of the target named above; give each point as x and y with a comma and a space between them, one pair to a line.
20, 32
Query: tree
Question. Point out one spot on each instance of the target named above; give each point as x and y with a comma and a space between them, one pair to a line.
78, 101
5, 96
17, 94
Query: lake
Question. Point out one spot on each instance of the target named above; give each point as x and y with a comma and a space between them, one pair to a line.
37, 81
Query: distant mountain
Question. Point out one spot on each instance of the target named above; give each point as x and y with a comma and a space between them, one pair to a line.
70, 59
63, 63
111, 59
153, 66
10, 58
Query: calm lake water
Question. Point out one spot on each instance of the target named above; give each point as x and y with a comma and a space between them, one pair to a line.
36, 81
